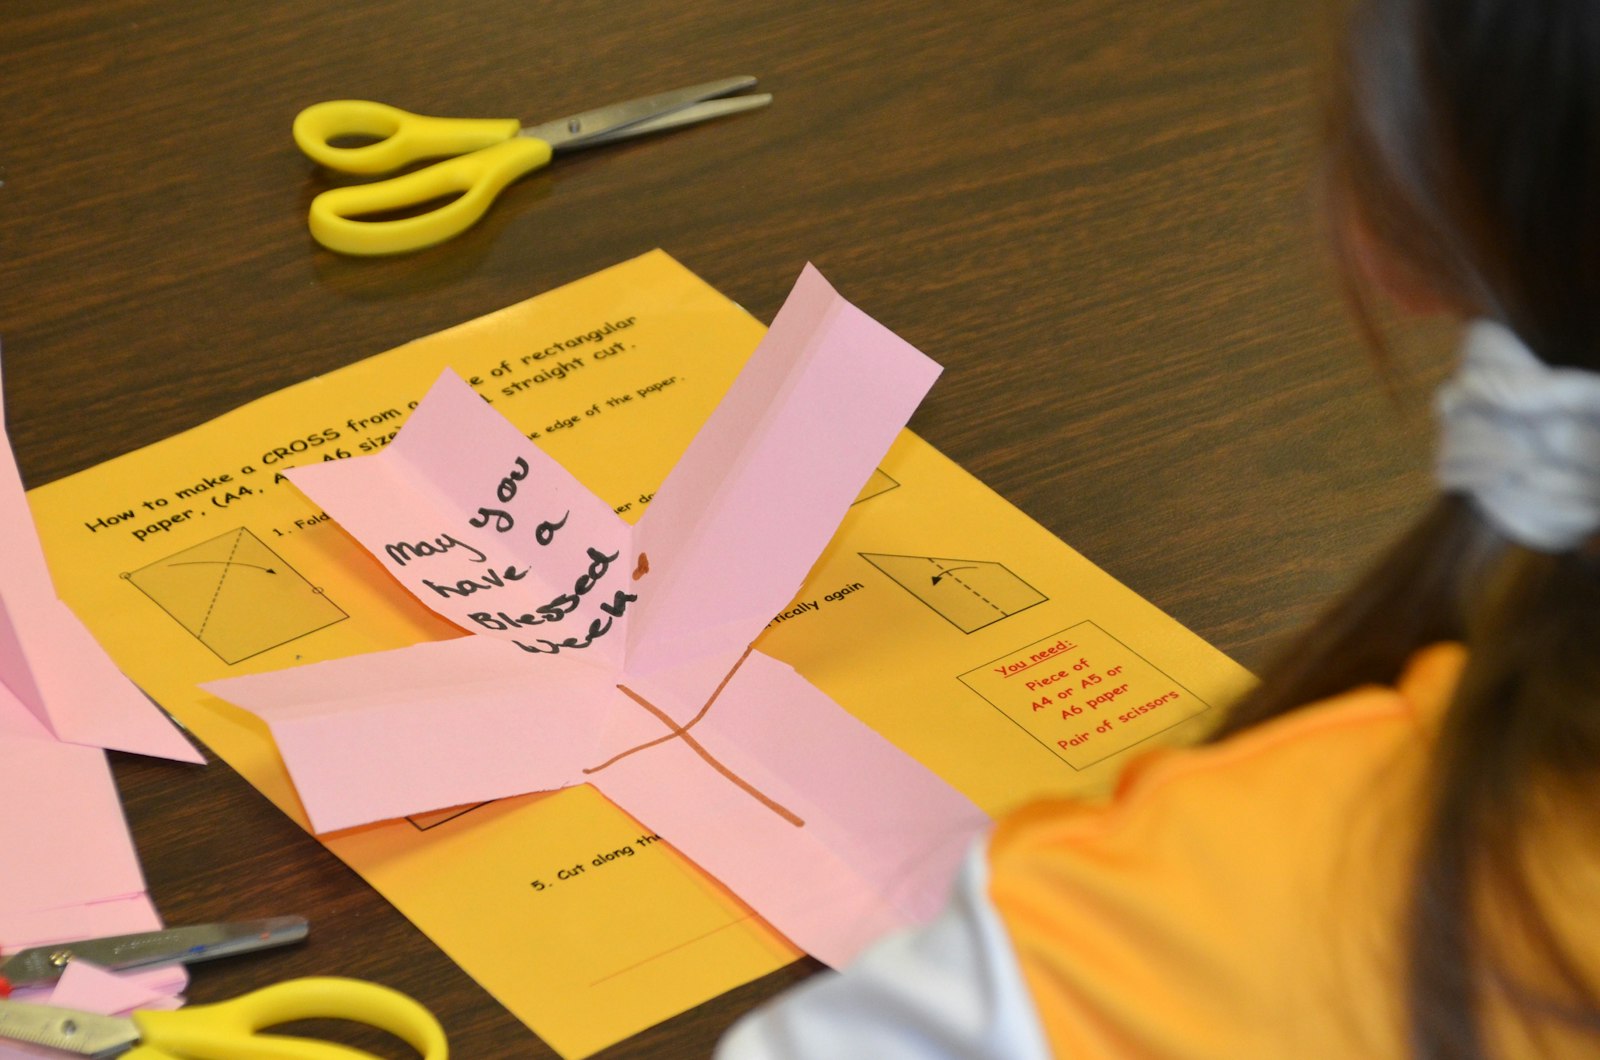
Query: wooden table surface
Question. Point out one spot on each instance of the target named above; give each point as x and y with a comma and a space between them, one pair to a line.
1099, 215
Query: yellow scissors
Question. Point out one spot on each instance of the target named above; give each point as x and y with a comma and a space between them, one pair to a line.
492, 152
230, 1030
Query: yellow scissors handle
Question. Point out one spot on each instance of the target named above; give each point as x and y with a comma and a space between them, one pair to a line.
400, 137
474, 178
228, 1030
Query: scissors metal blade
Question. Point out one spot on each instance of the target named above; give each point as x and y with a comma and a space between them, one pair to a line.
84, 1033
711, 108
644, 115
201, 942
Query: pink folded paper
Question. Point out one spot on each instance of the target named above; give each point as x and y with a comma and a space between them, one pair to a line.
69, 870
621, 656
91, 988
49, 660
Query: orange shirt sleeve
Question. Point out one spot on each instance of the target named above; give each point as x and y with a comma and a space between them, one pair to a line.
1234, 900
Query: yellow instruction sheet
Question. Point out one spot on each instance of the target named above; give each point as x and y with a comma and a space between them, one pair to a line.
940, 615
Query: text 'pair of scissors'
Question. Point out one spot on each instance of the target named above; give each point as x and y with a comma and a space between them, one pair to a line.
230, 1030
492, 152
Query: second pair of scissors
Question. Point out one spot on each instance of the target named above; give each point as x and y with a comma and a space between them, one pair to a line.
43, 965
493, 153
231, 1030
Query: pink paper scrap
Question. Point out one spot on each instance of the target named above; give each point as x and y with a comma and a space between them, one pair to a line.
49, 660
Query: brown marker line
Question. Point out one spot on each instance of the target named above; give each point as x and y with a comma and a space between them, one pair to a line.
614, 759
695, 746
692, 721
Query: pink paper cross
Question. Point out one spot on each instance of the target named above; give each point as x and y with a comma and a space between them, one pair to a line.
621, 656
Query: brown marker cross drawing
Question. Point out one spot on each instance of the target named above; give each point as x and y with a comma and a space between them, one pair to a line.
681, 732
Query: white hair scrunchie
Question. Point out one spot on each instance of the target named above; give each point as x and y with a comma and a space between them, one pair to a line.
1523, 440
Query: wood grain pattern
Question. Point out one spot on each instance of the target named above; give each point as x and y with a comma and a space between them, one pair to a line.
1098, 214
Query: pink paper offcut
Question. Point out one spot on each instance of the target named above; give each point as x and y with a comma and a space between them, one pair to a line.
71, 871
66, 843
91, 988
48, 659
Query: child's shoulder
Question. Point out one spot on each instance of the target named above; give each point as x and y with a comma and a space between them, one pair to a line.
1343, 745
1243, 877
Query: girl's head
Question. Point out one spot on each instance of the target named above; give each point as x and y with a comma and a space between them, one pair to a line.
1464, 161
1463, 172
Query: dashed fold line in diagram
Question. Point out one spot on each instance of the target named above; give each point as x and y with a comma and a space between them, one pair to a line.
236, 595
968, 593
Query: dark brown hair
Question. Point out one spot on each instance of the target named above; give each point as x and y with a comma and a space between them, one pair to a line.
1464, 144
